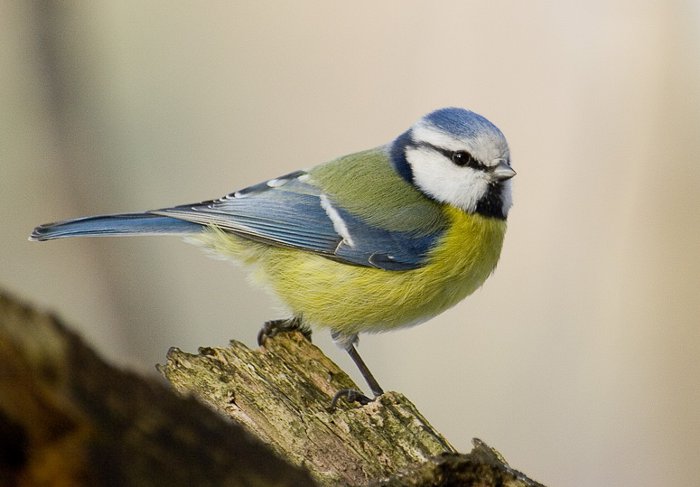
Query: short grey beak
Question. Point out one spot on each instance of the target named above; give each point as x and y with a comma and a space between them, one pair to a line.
503, 171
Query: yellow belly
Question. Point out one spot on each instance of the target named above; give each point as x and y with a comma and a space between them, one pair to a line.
353, 299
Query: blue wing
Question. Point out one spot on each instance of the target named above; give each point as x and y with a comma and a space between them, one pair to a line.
290, 211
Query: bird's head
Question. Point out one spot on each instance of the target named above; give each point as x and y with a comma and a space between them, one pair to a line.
457, 157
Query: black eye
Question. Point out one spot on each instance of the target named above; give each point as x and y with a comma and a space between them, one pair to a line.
464, 158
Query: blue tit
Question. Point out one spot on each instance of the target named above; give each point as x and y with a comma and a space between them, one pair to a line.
369, 242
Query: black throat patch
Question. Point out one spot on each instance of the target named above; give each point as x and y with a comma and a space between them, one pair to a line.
491, 205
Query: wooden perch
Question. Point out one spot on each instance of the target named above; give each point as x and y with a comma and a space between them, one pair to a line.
68, 418
282, 393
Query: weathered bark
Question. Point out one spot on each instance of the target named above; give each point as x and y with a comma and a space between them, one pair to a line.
67, 418
282, 393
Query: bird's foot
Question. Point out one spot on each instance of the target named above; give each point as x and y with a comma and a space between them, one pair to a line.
273, 327
350, 395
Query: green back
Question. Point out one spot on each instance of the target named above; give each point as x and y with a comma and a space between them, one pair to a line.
366, 185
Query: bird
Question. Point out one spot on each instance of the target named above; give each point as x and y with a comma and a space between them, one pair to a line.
369, 242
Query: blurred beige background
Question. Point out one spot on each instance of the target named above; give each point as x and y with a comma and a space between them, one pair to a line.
579, 358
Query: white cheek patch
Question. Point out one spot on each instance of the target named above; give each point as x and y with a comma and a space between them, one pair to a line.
442, 180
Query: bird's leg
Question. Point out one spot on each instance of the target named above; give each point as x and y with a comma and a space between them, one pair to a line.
273, 327
364, 370
351, 395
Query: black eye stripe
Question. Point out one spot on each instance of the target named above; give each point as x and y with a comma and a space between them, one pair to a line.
459, 158
464, 158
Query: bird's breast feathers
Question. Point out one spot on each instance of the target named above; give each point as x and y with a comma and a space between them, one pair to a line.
351, 298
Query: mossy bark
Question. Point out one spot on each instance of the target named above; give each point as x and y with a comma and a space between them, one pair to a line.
282, 393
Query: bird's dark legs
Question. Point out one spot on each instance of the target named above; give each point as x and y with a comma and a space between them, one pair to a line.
351, 395
364, 370
272, 328
347, 342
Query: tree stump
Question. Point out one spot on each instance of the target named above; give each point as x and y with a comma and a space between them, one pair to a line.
239, 417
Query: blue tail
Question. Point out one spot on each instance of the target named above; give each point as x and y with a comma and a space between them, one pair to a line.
115, 226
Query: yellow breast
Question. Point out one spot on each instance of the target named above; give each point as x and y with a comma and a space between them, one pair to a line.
353, 299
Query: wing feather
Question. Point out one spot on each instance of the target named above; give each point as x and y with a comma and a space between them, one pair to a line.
289, 211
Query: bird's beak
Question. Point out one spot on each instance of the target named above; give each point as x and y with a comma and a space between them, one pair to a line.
502, 171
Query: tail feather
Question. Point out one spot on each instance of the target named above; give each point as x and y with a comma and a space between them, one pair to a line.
120, 225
